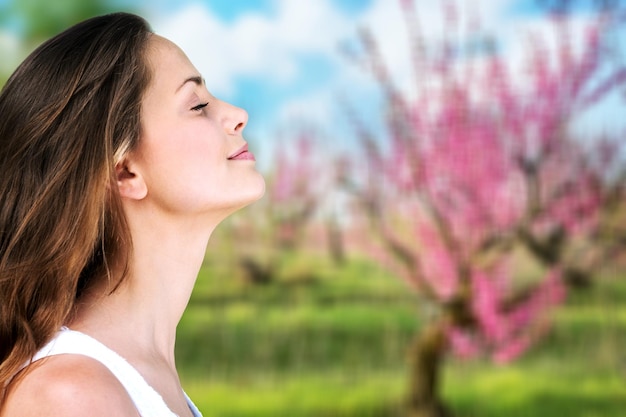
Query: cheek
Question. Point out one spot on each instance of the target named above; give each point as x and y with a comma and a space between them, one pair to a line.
184, 166
184, 147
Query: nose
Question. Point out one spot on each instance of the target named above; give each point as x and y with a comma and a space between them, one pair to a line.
235, 119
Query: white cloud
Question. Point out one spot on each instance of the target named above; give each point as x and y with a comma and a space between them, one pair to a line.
392, 30
253, 45
311, 109
205, 40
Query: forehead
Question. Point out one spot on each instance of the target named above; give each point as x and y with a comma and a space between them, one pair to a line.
168, 63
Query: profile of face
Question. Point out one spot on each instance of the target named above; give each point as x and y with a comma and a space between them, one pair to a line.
191, 155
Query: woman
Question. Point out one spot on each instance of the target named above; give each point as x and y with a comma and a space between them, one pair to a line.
116, 164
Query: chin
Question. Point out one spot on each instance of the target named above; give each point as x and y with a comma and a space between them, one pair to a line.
257, 191
253, 192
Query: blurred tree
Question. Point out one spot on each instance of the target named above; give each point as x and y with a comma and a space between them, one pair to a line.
33, 21
37, 20
479, 164
291, 200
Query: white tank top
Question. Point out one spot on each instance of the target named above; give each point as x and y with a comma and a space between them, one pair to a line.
149, 403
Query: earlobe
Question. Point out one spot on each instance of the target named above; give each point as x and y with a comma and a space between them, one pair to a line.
130, 183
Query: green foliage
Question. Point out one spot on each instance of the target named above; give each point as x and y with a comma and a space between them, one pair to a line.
296, 324
306, 395
331, 341
520, 391
41, 19
30, 22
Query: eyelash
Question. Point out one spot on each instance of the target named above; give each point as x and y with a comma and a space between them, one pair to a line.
199, 107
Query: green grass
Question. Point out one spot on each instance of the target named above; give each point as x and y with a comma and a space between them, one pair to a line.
311, 394
328, 341
533, 389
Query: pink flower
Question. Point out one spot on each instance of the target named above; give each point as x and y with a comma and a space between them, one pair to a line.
463, 344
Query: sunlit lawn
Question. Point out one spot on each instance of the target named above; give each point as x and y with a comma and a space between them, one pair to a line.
330, 341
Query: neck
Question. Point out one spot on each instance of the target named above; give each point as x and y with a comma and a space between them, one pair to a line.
139, 319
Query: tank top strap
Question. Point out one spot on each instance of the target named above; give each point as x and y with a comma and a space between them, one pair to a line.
149, 403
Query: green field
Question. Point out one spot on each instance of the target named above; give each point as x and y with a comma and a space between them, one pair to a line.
331, 341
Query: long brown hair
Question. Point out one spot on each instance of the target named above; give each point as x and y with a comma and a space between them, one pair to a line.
68, 113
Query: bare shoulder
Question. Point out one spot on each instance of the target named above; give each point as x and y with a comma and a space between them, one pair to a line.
69, 386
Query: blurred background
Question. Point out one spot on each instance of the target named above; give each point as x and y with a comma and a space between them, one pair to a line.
444, 227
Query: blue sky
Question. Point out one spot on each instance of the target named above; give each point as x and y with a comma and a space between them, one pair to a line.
280, 60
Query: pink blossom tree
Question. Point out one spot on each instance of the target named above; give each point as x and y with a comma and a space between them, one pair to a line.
478, 164
290, 202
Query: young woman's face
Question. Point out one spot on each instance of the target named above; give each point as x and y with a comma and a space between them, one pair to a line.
191, 153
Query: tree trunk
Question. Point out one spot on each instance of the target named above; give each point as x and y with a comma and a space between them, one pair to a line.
426, 355
335, 242
254, 272
577, 278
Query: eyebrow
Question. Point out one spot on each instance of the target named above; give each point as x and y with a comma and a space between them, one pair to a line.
196, 79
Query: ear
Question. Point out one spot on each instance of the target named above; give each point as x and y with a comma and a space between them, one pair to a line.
130, 183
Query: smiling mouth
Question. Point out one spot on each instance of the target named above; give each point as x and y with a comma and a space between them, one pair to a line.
242, 155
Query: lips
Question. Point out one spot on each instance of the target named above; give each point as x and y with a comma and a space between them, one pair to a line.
242, 154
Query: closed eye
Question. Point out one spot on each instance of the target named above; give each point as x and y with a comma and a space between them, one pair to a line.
199, 107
